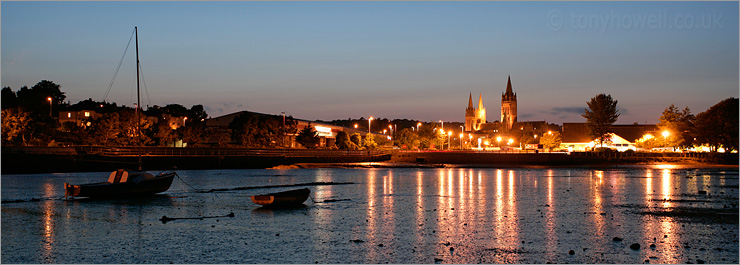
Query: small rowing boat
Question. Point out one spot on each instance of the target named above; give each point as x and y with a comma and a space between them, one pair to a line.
282, 199
122, 184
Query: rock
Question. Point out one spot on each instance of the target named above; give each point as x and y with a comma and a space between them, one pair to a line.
278, 234
437, 260
652, 245
617, 239
699, 261
452, 249
635, 246
380, 245
571, 252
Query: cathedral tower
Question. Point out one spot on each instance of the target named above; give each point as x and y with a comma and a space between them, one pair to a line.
469, 114
508, 107
474, 117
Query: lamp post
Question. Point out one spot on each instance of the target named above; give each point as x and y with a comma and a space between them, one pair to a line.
282, 139
368, 123
443, 124
498, 141
449, 134
49, 99
461, 141
417, 126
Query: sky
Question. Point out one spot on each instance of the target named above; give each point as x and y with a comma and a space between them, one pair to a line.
414, 60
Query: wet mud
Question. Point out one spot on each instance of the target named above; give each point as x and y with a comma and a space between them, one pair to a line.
409, 215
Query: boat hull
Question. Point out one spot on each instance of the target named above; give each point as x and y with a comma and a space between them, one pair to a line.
158, 184
282, 199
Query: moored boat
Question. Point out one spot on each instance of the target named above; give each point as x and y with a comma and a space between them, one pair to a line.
123, 184
282, 199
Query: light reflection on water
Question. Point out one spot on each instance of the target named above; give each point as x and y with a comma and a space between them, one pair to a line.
391, 215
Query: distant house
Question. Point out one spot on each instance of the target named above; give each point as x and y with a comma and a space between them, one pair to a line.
80, 118
576, 136
327, 132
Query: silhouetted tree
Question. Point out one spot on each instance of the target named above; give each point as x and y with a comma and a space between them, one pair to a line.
343, 142
8, 97
600, 115
308, 137
718, 126
679, 124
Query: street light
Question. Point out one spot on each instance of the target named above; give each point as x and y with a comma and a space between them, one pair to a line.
368, 123
355, 125
449, 134
49, 99
443, 124
417, 126
498, 141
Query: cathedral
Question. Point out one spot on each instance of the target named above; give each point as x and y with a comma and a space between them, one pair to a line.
476, 123
475, 118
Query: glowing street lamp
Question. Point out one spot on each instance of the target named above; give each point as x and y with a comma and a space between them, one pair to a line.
368, 123
49, 99
449, 134
511, 141
443, 124
355, 125
498, 141
417, 126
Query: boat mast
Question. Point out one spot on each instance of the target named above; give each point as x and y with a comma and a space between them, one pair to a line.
138, 97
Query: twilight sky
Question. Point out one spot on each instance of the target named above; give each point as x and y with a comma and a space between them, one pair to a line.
416, 60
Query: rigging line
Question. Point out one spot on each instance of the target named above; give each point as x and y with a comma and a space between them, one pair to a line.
141, 70
119, 66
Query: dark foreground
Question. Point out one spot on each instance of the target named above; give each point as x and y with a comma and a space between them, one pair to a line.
656, 214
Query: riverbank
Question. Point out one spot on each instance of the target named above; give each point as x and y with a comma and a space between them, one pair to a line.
26, 160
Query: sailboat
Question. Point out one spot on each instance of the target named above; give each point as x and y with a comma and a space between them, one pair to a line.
122, 183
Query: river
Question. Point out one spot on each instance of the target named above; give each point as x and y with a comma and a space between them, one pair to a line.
676, 214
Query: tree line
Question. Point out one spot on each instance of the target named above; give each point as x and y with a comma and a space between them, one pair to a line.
717, 127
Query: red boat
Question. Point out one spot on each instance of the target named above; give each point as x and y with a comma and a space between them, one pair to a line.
282, 199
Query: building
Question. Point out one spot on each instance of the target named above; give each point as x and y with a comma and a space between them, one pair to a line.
80, 118
576, 136
508, 107
507, 132
327, 132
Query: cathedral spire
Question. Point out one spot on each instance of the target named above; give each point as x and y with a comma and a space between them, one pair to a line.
480, 101
470, 101
509, 91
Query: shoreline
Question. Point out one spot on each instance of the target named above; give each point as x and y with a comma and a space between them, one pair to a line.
31, 160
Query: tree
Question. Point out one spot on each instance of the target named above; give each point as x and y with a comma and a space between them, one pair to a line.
308, 137
407, 137
36, 99
15, 126
718, 126
343, 141
551, 140
165, 134
369, 142
600, 115
356, 139
678, 124
9, 99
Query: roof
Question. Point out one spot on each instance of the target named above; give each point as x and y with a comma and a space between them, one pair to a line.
578, 132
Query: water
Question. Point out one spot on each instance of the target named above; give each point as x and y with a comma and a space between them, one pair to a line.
508, 215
